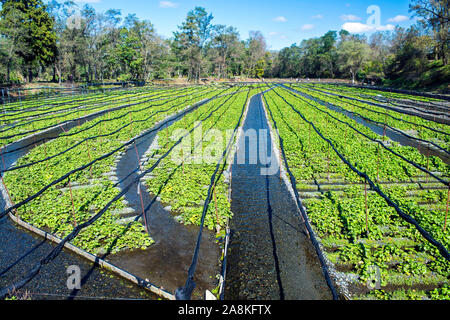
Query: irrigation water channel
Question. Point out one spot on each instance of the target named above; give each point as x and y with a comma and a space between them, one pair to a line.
270, 256
166, 262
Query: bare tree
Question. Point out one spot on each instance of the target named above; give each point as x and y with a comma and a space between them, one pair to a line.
435, 14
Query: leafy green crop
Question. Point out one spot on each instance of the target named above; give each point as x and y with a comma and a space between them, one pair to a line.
358, 228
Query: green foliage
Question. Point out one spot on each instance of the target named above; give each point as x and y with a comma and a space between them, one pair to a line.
401, 254
442, 293
29, 27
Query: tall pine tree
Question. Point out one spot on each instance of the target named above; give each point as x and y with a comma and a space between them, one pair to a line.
35, 41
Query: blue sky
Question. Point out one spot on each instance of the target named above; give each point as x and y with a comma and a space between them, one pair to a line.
282, 22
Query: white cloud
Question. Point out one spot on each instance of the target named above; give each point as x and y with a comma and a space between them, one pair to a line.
398, 19
306, 27
350, 17
277, 35
167, 4
317, 16
280, 19
356, 27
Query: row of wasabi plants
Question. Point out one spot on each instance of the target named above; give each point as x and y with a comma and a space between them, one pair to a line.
411, 125
60, 99
20, 123
381, 255
380, 93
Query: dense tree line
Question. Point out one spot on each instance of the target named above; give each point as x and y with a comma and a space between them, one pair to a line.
417, 54
61, 42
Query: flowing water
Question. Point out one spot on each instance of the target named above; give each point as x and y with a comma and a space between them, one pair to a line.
270, 257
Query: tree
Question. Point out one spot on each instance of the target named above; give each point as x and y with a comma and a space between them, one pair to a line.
223, 49
190, 41
288, 62
352, 56
269, 61
34, 39
256, 49
435, 14
411, 51
153, 50
73, 43
11, 27
327, 54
